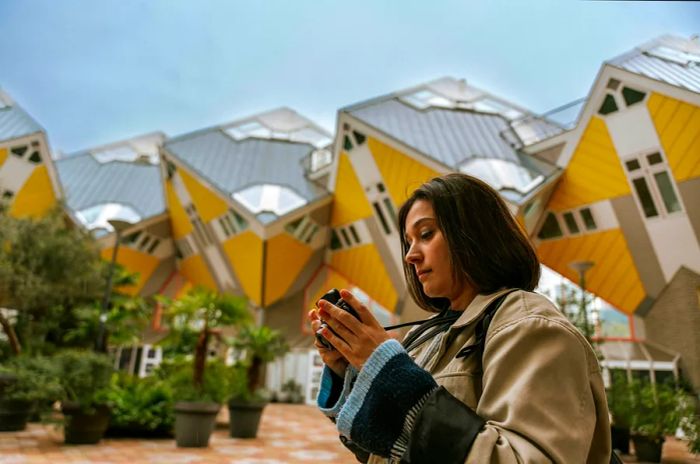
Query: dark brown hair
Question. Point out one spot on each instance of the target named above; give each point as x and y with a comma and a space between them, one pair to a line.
488, 249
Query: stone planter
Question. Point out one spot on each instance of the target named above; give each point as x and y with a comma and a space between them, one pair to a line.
84, 428
14, 415
648, 449
244, 418
194, 423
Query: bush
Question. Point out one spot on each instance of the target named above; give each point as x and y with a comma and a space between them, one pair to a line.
36, 379
140, 406
657, 410
84, 376
178, 374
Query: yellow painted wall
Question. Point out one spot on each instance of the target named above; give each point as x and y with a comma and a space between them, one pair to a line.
401, 173
208, 203
133, 261
285, 257
349, 201
36, 196
196, 271
245, 253
594, 172
678, 126
614, 277
3, 155
179, 221
364, 266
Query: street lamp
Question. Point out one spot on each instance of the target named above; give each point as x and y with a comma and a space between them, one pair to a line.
581, 267
118, 226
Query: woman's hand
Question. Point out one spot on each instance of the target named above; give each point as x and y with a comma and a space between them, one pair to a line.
331, 358
356, 340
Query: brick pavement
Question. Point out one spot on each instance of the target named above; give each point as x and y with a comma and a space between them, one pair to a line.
291, 434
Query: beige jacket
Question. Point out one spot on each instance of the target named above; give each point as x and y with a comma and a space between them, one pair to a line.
542, 398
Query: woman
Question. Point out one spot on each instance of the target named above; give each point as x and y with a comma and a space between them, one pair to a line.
499, 375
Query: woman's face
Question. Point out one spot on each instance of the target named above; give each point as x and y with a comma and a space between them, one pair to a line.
429, 255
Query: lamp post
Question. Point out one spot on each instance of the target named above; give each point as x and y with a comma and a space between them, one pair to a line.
118, 226
581, 267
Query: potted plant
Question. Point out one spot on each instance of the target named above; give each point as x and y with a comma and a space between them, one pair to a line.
657, 410
84, 378
26, 385
255, 346
620, 405
192, 322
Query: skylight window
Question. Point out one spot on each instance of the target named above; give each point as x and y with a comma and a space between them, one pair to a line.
675, 55
259, 129
501, 174
425, 98
489, 105
276, 199
96, 217
122, 153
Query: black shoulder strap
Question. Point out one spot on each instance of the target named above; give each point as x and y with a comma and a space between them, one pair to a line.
482, 326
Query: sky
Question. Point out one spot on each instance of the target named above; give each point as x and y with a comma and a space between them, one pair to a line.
94, 72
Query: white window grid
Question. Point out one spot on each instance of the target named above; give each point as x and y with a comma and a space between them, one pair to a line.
305, 230
647, 171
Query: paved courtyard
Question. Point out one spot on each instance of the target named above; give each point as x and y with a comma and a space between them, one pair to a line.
288, 434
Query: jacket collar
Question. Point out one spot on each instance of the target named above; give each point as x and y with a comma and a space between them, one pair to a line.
476, 307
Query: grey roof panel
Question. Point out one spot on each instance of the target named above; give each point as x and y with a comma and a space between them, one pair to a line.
641, 61
15, 122
449, 136
232, 165
87, 183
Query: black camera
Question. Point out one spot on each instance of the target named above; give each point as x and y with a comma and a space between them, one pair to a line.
333, 297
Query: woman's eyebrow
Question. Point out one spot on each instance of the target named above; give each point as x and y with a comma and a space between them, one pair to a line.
418, 221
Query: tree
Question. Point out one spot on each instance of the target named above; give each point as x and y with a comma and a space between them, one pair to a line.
194, 318
47, 269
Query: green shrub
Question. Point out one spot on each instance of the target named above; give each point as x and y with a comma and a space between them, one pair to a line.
36, 379
657, 410
85, 377
178, 374
140, 405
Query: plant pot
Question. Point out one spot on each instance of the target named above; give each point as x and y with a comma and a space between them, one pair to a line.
14, 415
194, 422
647, 449
620, 438
83, 428
244, 418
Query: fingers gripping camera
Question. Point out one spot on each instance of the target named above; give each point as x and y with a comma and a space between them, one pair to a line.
333, 297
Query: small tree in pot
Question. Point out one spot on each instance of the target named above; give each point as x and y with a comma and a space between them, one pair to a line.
657, 411
27, 384
255, 347
192, 322
85, 378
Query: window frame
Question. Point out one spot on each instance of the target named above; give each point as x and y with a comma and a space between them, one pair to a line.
647, 172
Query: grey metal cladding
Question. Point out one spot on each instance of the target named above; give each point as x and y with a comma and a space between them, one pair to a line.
88, 182
15, 122
449, 136
232, 165
638, 62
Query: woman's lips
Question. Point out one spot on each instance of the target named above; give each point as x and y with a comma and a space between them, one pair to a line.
422, 275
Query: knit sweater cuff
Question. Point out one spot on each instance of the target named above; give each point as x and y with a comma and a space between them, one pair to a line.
334, 390
388, 393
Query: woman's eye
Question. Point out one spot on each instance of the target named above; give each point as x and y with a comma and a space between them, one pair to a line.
426, 234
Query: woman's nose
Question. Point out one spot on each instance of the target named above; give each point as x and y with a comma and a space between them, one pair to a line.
412, 256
